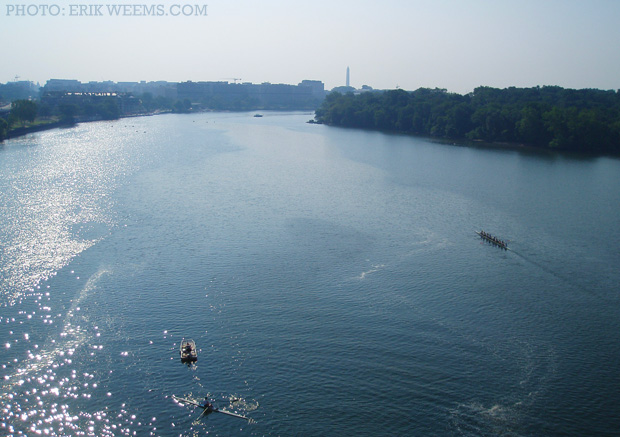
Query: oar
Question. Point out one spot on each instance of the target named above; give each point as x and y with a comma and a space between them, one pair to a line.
187, 401
217, 410
204, 413
206, 410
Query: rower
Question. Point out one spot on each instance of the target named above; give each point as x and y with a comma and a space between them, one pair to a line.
208, 406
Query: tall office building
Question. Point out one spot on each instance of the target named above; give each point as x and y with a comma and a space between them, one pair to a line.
348, 83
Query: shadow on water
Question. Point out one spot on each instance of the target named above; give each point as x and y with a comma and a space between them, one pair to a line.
543, 267
569, 282
540, 265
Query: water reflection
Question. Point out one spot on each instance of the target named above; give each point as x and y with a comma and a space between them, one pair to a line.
342, 260
54, 204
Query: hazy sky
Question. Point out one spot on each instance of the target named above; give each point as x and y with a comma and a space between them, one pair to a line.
451, 44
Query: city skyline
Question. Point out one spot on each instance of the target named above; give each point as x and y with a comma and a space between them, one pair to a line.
448, 44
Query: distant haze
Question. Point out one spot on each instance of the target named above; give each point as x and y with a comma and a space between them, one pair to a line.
452, 44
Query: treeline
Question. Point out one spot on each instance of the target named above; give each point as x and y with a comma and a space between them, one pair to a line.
94, 107
149, 103
552, 117
106, 108
4, 129
22, 111
28, 114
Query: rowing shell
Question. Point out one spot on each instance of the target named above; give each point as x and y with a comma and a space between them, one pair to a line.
490, 240
207, 410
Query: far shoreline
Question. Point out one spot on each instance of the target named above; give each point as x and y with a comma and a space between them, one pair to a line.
23, 131
476, 144
479, 144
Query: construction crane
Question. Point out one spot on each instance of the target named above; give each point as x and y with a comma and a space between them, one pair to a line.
235, 79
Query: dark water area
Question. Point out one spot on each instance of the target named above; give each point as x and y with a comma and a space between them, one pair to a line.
331, 278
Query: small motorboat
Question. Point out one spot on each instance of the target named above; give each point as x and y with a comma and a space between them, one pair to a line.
188, 351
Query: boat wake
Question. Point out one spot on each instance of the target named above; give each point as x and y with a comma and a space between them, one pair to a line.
373, 269
488, 408
509, 415
477, 419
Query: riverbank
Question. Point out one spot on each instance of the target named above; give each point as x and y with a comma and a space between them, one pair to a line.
478, 144
39, 127
551, 118
21, 131
522, 147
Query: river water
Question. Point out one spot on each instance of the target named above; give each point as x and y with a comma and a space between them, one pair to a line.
331, 279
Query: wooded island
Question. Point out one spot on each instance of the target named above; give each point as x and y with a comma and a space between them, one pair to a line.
548, 117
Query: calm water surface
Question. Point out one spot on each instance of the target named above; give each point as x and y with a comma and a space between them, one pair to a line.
331, 279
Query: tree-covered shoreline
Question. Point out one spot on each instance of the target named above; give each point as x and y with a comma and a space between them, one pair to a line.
27, 116
549, 117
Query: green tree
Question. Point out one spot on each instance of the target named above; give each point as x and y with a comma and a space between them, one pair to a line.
182, 106
592, 134
458, 121
147, 101
44, 110
560, 123
580, 120
4, 129
531, 127
383, 120
68, 112
109, 109
162, 102
24, 110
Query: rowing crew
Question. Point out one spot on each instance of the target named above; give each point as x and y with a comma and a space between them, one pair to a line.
493, 239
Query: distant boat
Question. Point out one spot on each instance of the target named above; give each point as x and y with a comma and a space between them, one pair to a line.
258, 115
188, 351
493, 240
